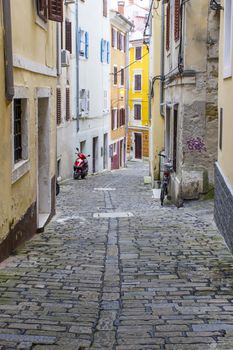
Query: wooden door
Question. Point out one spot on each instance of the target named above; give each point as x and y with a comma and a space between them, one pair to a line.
138, 145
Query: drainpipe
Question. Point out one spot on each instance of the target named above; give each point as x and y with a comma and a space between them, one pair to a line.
8, 53
77, 66
162, 62
127, 93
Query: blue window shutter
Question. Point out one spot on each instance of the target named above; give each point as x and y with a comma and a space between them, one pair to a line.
102, 50
86, 45
108, 51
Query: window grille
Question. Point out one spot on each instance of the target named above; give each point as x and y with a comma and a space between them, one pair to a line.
17, 130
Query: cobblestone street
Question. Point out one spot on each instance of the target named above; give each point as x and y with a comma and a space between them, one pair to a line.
114, 270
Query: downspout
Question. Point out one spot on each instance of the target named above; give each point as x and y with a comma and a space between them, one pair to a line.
162, 62
8, 53
77, 67
127, 93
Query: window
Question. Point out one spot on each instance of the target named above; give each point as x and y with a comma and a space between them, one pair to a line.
168, 27
138, 53
120, 41
50, 9
220, 128
17, 130
83, 43
137, 82
137, 111
227, 38
67, 103
122, 117
68, 36
122, 76
20, 130
115, 75
177, 20
114, 38
104, 51
58, 106
105, 8
114, 119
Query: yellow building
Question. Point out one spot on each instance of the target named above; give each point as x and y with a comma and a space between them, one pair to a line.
224, 165
157, 113
28, 124
138, 123
120, 28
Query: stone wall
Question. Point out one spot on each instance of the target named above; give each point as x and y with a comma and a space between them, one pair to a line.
223, 212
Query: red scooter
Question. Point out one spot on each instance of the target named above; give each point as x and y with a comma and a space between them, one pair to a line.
80, 166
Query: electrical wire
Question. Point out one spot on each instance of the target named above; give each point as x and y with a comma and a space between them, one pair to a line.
130, 64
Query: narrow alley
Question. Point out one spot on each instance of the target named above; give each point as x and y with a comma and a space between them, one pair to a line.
114, 270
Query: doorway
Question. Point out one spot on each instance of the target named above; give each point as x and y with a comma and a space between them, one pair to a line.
43, 182
138, 145
94, 154
105, 155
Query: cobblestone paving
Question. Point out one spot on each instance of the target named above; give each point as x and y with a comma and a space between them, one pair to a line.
161, 279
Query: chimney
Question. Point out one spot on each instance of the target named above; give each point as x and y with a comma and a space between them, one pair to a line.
121, 7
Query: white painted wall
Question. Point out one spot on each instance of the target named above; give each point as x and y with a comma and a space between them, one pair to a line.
95, 77
67, 137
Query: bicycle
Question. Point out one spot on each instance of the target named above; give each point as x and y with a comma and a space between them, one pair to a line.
167, 170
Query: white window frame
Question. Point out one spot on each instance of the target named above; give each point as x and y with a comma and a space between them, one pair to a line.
227, 46
21, 167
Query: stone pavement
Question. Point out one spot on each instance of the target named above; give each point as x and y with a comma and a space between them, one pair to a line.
160, 279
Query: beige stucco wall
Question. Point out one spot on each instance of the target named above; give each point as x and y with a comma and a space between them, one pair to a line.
225, 102
30, 41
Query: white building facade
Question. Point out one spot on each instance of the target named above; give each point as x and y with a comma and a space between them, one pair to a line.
66, 95
94, 83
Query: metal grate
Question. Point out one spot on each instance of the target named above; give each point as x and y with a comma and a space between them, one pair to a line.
17, 130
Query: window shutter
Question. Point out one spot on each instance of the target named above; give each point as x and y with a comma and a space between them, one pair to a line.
105, 9
123, 117
102, 50
108, 51
113, 36
113, 126
177, 20
138, 53
67, 103
115, 75
58, 106
86, 45
118, 117
137, 82
118, 40
122, 76
168, 27
125, 43
55, 8
68, 36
